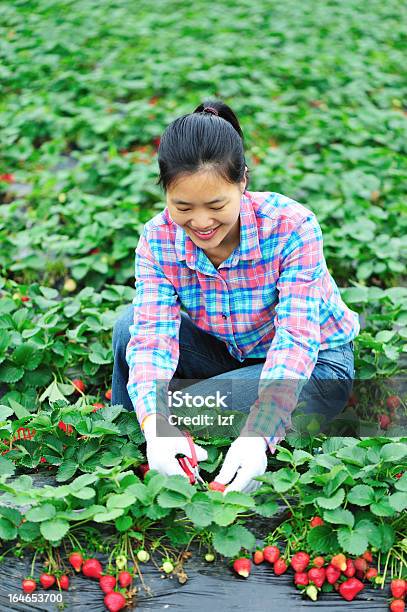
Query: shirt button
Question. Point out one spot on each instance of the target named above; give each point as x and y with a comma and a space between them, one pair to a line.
224, 316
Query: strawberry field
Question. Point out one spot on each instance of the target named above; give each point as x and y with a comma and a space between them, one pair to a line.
86, 91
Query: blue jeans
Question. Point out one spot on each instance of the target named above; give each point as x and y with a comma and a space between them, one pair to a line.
205, 357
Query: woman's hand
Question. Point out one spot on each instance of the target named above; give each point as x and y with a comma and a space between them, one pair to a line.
247, 458
164, 441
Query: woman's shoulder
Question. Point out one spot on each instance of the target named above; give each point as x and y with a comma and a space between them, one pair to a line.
278, 207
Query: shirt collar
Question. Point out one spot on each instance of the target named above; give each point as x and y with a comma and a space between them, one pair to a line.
248, 249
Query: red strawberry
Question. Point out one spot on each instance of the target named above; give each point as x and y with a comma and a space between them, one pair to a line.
107, 583
108, 394
258, 557
360, 574
242, 566
316, 521
97, 406
300, 561
143, 469
63, 582
7, 177
280, 567
301, 578
271, 554
399, 475
371, 573
318, 562
47, 580
92, 568
317, 576
332, 574
114, 601
398, 588
360, 564
76, 560
78, 384
29, 585
397, 605
25, 298
350, 569
350, 588
384, 421
393, 402
43, 460
339, 561
216, 486
66, 428
125, 579
367, 555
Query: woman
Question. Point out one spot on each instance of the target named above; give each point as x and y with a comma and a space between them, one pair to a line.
259, 305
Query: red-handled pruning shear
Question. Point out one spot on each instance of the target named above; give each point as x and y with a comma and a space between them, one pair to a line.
190, 462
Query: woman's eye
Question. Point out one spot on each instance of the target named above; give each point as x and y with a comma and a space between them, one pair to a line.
187, 209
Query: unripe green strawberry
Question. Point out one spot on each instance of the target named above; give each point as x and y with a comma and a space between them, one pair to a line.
312, 592
167, 567
143, 556
209, 557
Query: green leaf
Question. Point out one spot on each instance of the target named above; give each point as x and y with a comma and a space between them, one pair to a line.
228, 541
105, 517
393, 452
123, 523
7, 467
180, 484
353, 541
5, 412
322, 539
66, 470
238, 498
121, 500
40, 513
8, 531
401, 483
361, 495
11, 514
267, 509
301, 457
283, 480
155, 484
353, 455
29, 531
330, 503
339, 516
199, 511
85, 493
55, 529
27, 356
172, 499
140, 491
382, 508
10, 373
224, 515
398, 501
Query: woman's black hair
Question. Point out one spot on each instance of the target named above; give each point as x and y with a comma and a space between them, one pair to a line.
200, 140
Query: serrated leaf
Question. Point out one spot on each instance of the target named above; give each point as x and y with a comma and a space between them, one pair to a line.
393, 451
228, 541
40, 513
172, 499
29, 531
105, 517
322, 539
7, 467
8, 531
339, 516
330, 503
382, 508
123, 523
10, 373
224, 515
361, 495
121, 500
66, 470
199, 512
398, 501
267, 509
283, 480
55, 529
353, 541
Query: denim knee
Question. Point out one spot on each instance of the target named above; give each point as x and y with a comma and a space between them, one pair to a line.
121, 333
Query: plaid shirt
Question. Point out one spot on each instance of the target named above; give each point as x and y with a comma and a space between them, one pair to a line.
273, 297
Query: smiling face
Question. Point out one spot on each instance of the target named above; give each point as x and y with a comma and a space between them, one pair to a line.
204, 201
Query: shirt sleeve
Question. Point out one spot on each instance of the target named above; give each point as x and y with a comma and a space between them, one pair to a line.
153, 350
293, 352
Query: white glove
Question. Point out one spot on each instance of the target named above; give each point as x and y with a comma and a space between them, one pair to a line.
246, 456
161, 449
